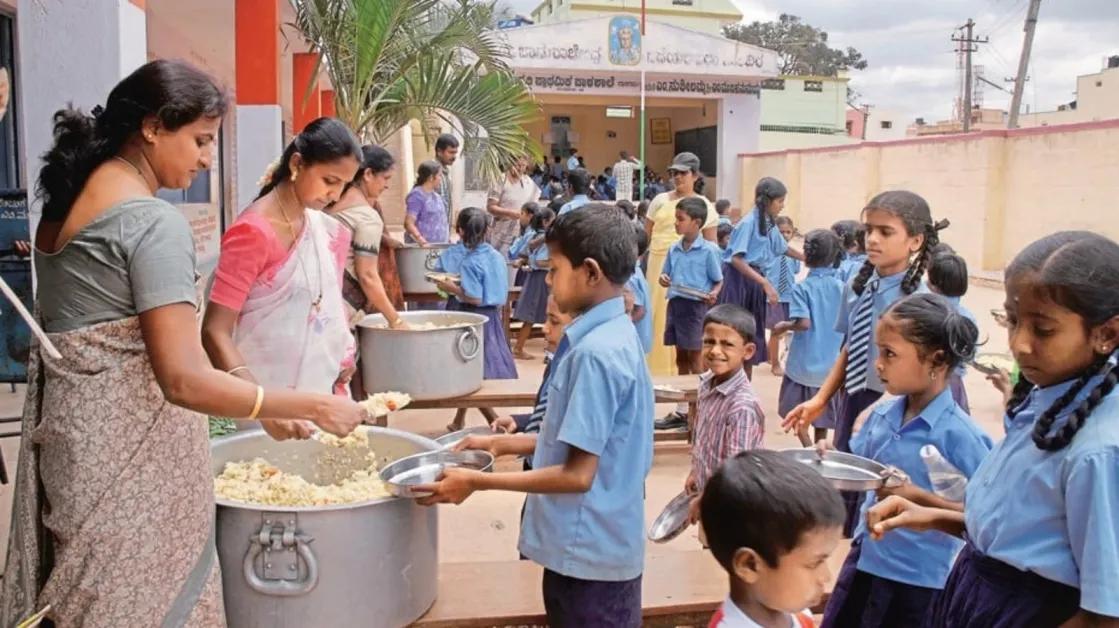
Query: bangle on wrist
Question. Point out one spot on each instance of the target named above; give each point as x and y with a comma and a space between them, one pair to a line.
259, 403
237, 369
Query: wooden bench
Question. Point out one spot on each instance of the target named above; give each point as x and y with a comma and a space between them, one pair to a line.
521, 393
679, 588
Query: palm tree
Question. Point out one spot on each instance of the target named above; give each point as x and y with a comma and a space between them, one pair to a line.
392, 61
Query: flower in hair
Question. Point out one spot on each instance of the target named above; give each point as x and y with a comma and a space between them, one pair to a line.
268, 172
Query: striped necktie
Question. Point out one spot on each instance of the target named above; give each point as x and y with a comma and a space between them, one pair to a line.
784, 279
858, 344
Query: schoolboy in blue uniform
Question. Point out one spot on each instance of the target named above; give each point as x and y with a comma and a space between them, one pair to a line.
692, 264
584, 518
638, 286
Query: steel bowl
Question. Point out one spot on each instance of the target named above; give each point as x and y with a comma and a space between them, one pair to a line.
672, 521
450, 440
424, 468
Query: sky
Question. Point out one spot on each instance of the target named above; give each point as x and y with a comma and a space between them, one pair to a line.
912, 66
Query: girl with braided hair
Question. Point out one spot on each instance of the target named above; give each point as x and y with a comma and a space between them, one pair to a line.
1042, 510
900, 233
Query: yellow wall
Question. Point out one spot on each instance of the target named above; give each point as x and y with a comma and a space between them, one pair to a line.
1000, 190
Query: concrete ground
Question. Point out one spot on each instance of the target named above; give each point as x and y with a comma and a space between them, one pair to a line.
486, 526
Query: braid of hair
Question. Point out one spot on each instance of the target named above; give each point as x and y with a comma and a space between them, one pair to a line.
859, 285
916, 269
1018, 395
1064, 435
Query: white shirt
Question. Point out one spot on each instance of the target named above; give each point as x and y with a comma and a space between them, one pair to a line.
572, 163
623, 173
730, 616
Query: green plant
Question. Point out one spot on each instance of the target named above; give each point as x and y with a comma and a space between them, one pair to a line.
392, 61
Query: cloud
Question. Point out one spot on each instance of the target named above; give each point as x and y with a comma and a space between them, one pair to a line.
908, 46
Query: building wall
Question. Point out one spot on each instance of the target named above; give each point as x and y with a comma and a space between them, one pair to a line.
706, 16
1001, 190
877, 132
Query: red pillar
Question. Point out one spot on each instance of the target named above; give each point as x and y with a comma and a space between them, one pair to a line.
304, 104
326, 107
257, 28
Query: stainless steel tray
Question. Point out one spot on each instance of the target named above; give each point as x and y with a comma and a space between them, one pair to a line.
450, 440
672, 521
848, 472
690, 292
425, 468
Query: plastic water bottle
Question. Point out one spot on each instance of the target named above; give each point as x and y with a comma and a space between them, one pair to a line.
947, 481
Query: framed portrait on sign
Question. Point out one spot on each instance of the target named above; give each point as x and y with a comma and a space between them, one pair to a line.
660, 130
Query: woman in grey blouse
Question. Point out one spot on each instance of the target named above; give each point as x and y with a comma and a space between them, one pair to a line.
111, 432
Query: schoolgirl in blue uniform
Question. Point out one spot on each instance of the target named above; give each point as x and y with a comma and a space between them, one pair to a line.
532, 306
892, 582
782, 275
638, 286
814, 306
1041, 513
528, 210
754, 243
899, 235
948, 277
853, 235
483, 289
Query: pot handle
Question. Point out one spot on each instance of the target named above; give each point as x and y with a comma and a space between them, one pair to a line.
282, 588
431, 258
475, 349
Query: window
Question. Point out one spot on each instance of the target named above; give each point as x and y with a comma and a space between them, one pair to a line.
9, 146
850, 127
813, 86
773, 84
887, 124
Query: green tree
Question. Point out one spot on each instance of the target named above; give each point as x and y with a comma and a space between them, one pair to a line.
392, 61
802, 49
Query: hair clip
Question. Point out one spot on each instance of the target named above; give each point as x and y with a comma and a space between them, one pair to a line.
941, 224
96, 112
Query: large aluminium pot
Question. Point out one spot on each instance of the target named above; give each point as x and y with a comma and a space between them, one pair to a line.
413, 262
427, 364
371, 563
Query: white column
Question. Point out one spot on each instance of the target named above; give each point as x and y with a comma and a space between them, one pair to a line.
259, 142
70, 51
738, 132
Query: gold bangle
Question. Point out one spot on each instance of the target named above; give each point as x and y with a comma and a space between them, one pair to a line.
259, 402
237, 369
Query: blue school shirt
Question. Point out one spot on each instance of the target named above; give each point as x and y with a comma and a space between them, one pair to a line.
519, 247
1055, 514
889, 291
698, 267
918, 558
756, 249
640, 288
576, 202
773, 275
450, 260
600, 400
851, 265
485, 276
812, 353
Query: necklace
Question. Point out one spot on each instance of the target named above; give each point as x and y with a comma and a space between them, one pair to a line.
284, 214
316, 305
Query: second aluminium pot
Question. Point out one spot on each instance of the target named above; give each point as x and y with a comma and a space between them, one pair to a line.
413, 262
438, 363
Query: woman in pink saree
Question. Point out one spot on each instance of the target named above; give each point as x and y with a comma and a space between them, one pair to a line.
276, 315
114, 506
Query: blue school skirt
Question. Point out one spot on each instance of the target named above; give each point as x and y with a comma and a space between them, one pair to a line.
775, 313
532, 305
793, 394
744, 292
988, 593
497, 358
869, 601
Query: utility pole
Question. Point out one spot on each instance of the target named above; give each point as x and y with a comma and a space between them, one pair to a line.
967, 46
1023, 64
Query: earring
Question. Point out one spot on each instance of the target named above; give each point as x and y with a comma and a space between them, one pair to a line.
1105, 349
932, 376
294, 174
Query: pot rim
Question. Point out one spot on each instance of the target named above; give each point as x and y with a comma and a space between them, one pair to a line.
248, 435
377, 322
